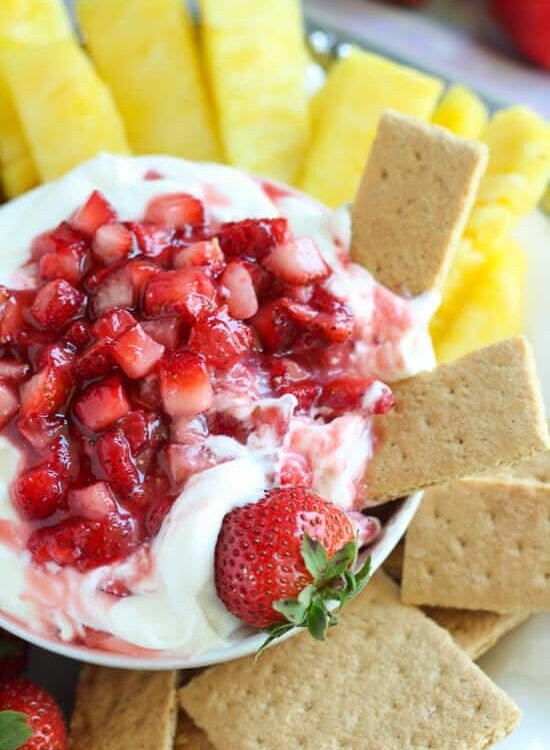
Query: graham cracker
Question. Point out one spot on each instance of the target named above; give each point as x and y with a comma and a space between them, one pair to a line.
480, 544
120, 709
189, 736
535, 468
389, 678
474, 631
481, 411
413, 201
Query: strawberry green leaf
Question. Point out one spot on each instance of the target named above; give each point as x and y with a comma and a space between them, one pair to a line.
318, 619
276, 631
293, 610
305, 596
14, 730
315, 556
341, 561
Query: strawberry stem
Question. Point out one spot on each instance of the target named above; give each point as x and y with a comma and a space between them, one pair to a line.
334, 583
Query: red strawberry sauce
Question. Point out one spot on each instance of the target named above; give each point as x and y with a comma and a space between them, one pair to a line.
125, 356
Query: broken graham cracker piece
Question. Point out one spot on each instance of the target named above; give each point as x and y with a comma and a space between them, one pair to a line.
480, 544
388, 677
474, 631
536, 468
481, 411
410, 210
119, 709
189, 736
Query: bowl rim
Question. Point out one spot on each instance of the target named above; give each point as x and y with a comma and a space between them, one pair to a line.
392, 532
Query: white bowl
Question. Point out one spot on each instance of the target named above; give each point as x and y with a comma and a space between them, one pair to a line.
392, 531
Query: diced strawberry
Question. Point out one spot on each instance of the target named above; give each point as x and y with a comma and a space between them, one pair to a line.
295, 470
59, 240
140, 429
177, 210
40, 492
297, 262
12, 369
139, 272
78, 334
156, 515
306, 391
241, 298
206, 253
136, 352
252, 238
152, 239
11, 315
349, 393
115, 290
93, 214
112, 243
46, 392
67, 263
189, 430
84, 543
102, 403
41, 430
96, 501
116, 460
275, 326
335, 319
146, 392
186, 460
301, 294
167, 331
55, 304
221, 339
95, 360
62, 457
185, 384
113, 324
9, 403
188, 292
61, 354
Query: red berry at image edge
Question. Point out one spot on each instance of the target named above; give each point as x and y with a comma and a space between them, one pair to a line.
13, 655
29, 717
527, 23
281, 561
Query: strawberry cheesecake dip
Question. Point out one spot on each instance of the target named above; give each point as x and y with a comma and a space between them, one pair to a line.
176, 341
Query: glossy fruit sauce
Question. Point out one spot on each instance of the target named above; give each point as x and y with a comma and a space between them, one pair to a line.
115, 364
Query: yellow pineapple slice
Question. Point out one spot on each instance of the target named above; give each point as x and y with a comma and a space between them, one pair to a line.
28, 22
66, 111
465, 269
494, 308
34, 21
358, 89
545, 203
517, 173
146, 52
17, 170
461, 112
256, 64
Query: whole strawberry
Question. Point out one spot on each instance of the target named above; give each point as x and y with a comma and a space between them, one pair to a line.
30, 718
527, 23
13, 655
280, 562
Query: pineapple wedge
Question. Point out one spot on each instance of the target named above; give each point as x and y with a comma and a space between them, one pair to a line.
494, 308
28, 22
34, 21
256, 64
517, 173
358, 89
17, 170
67, 112
461, 112
146, 52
